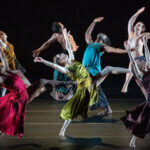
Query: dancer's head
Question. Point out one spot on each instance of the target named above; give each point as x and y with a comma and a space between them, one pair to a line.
57, 27
103, 38
61, 59
139, 27
141, 62
3, 36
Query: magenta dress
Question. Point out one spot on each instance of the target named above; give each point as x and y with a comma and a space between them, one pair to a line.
13, 106
137, 121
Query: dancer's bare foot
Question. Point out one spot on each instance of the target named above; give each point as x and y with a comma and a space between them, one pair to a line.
132, 144
43, 89
1, 134
61, 133
124, 89
132, 141
105, 112
62, 136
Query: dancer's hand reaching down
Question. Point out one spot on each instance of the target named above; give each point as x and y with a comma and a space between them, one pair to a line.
38, 59
126, 45
99, 19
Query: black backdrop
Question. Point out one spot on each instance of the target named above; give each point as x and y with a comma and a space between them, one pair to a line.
28, 24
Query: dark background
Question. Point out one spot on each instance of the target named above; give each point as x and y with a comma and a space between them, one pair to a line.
28, 25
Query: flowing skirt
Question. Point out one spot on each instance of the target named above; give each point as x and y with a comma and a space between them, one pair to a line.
137, 121
12, 113
79, 104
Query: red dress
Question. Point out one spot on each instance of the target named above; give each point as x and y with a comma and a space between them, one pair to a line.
13, 106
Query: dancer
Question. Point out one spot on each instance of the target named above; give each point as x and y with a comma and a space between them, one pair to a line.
13, 104
92, 61
135, 42
57, 36
8, 50
86, 93
137, 120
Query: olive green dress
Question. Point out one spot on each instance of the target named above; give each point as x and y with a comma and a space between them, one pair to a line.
85, 95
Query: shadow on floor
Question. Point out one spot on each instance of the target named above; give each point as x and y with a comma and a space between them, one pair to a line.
70, 143
97, 119
25, 145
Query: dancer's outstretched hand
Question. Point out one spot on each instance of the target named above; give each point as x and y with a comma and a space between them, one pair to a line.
99, 19
141, 10
38, 59
35, 53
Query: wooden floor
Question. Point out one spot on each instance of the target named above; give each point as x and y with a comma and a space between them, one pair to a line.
43, 125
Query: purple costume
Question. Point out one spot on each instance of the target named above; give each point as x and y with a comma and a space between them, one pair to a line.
137, 121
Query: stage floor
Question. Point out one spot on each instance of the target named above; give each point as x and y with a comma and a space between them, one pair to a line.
96, 133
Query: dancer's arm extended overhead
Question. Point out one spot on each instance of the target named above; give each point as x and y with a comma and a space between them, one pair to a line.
132, 20
88, 32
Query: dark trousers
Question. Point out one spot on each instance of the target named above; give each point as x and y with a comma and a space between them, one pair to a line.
102, 99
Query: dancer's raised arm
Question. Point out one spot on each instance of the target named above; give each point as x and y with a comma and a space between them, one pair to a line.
50, 64
88, 32
45, 45
132, 20
68, 46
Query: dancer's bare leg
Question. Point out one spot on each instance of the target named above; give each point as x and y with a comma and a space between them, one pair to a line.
38, 87
127, 80
60, 96
132, 141
64, 127
102, 76
110, 70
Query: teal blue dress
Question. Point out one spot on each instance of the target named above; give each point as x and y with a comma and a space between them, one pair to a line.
92, 58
